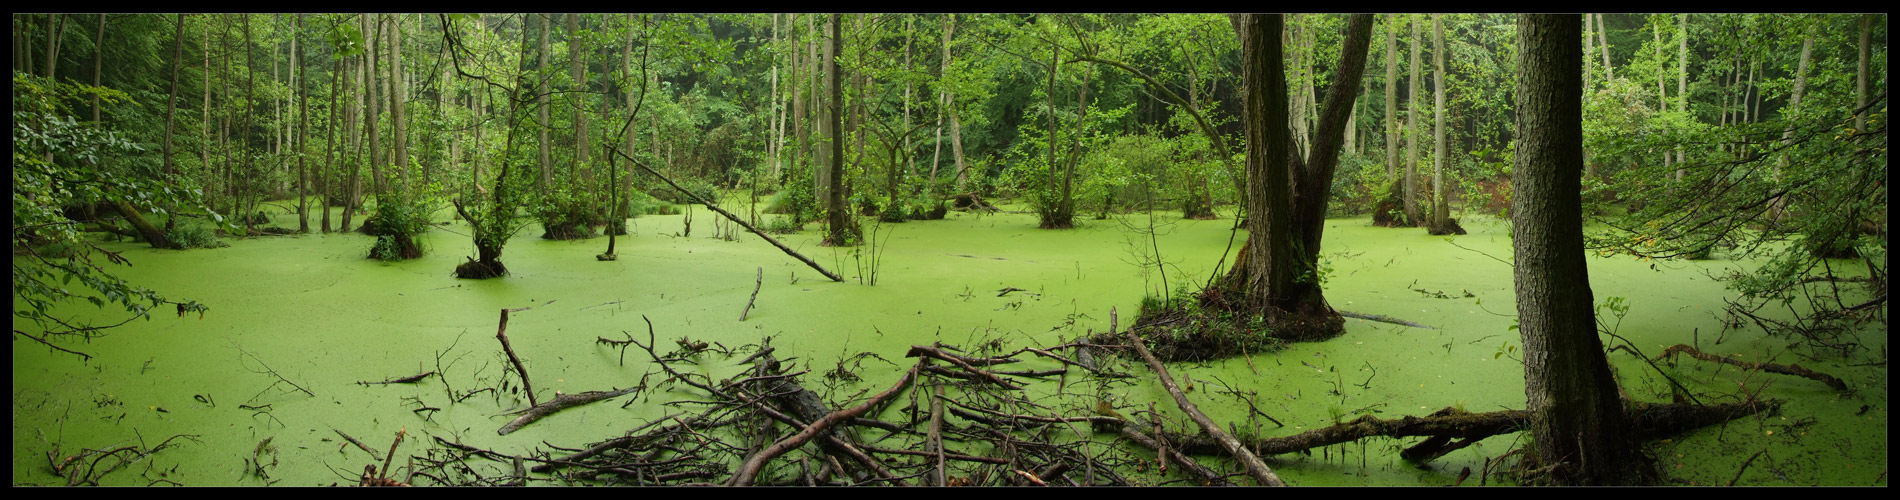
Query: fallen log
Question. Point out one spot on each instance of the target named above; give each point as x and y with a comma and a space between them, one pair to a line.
1795, 370
561, 402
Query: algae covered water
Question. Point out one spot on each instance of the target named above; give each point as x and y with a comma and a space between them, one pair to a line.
273, 375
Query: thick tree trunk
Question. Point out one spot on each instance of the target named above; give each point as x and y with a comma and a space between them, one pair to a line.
1577, 420
1285, 221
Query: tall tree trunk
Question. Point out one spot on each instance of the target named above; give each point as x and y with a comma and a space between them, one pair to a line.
1577, 419
839, 231
1269, 258
1794, 107
1603, 32
576, 67
303, 132
547, 174
1589, 51
171, 108
1441, 209
1051, 214
1391, 96
250, 113
98, 65
1285, 220
351, 128
329, 148
398, 102
371, 113
55, 26
1412, 213
1065, 213
1682, 83
1861, 74
204, 120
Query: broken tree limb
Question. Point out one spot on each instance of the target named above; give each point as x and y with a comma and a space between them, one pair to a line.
750, 469
1795, 370
1384, 319
502, 333
734, 218
1233, 447
561, 402
758, 281
352, 440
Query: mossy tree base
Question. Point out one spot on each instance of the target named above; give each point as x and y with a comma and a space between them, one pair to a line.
1450, 226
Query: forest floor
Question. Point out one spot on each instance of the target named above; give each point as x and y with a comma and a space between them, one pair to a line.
312, 311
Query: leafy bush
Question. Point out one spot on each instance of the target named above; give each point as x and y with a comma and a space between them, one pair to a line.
194, 235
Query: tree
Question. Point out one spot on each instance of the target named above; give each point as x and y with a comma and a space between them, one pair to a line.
841, 227
1412, 123
1441, 222
1577, 419
1275, 274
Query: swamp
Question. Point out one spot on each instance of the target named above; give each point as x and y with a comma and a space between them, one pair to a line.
949, 250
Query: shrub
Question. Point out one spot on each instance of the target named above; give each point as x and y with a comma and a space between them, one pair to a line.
194, 235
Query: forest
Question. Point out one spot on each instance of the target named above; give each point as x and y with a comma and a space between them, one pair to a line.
1065, 249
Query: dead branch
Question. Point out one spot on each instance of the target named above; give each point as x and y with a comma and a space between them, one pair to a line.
1233, 447
734, 218
750, 468
758, 281
561, 402
502, 334
1795, 370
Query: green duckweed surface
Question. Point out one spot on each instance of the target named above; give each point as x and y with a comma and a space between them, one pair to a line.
319, 314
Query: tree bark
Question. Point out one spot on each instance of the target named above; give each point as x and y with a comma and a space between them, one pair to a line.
171, 106
1861, 74
1412, 212
98, 65
1391, 97
839, 228
547, 174
303, 132
577, 70
372, 113
1577, 419
398, 100
1441, 209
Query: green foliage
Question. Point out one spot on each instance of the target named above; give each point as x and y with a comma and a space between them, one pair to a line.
58, 161
194, 235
